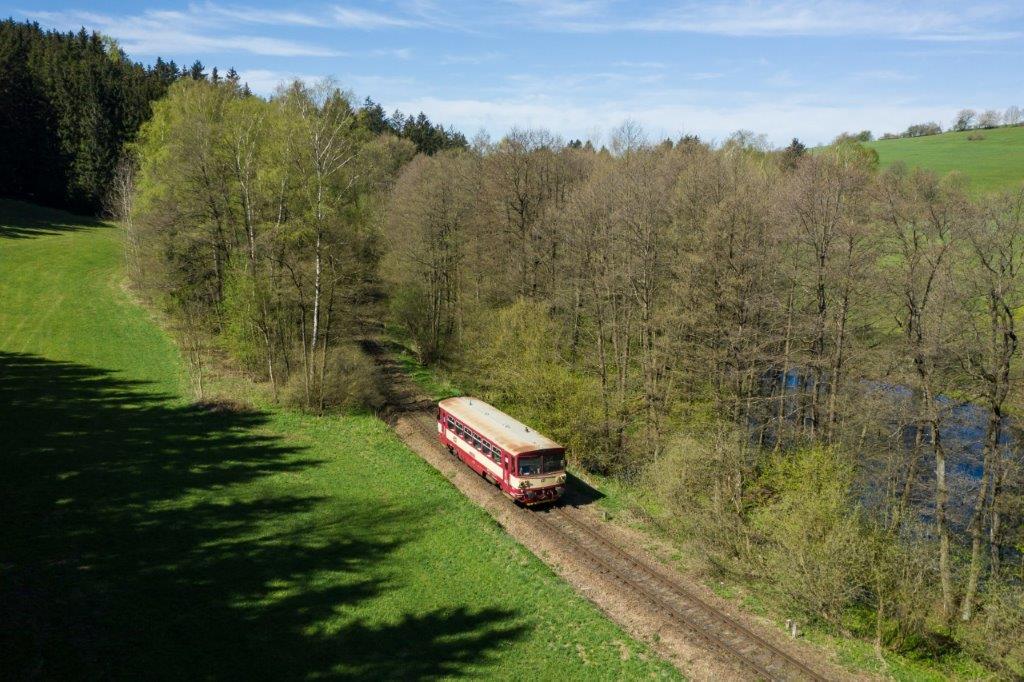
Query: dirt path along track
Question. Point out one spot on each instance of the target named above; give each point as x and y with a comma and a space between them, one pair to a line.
717, 629
745, 653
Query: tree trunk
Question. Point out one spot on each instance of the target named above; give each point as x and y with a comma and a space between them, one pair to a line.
977, 520
941, 502
838, 358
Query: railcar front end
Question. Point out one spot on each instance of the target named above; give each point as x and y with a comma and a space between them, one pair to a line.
539, 477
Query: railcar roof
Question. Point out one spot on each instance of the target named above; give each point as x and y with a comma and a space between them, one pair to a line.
509, 433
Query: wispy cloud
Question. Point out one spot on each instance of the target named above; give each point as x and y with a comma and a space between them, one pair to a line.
265, 81
640, 65
546, 85
252, 15
705, 75
882, 75
353, 17
941, 21
158, 32
563, 9
781, 79
472, 58
780, 120
207, 28
397, 53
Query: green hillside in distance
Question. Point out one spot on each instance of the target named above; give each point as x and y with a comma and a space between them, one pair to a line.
993, 163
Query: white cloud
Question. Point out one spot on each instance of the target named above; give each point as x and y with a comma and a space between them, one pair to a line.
563, 9
781, 79
204, 29
352, 17
265, 81
397, 53
253, 15
167, 32
882, 75
705, 75
780, 121
640, 65
478, 58
937, 21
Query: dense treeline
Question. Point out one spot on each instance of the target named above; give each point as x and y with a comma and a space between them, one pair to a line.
966, 119
808, 367
68, 103
253, 221
428, 137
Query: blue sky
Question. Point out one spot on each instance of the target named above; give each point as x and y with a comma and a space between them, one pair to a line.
784, 68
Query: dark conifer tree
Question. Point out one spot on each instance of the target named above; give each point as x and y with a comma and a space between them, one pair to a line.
793, 152
374, 119
68, 103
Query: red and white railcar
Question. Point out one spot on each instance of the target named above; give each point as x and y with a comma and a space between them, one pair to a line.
527, 466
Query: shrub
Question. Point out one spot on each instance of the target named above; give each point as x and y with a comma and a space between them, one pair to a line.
239, 336
901, 578
998, 637
813, 549
432, 334
351, 383
974, 137
699, 481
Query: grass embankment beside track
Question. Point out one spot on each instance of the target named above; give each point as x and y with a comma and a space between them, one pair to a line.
993, 163
145, 536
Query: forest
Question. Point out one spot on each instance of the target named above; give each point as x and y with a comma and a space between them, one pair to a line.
807, 367
69, 102
803, 367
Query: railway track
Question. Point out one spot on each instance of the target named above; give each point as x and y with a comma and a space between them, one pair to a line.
716, 629
680, 605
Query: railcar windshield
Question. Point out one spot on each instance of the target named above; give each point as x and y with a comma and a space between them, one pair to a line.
545, 463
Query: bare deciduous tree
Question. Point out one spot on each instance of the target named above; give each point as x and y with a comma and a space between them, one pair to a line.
964, 119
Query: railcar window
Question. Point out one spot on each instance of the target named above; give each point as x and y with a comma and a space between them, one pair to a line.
553, 462
541, 464
451, 423
529, 466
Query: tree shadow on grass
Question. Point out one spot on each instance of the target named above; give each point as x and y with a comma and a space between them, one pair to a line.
19, 220
131, 547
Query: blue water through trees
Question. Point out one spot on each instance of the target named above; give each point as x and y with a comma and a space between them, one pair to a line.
883, 428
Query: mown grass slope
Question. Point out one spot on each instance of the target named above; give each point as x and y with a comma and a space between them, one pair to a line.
993, 163
146, 536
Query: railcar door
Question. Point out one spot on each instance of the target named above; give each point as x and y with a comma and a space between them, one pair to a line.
506, 467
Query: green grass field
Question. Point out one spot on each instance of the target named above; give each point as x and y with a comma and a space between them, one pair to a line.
994, 163
143, 536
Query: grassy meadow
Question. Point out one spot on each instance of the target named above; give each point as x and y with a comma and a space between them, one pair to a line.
993, 163
146, 536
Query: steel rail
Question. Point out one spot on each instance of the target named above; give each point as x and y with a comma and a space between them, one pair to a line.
756, 644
